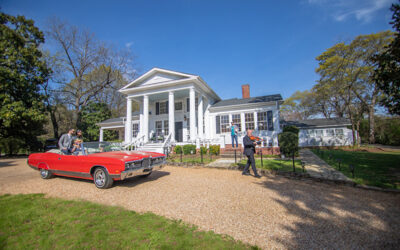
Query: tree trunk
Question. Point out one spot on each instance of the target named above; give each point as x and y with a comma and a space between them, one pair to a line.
54, 123
372, 122
358, 133
294, 169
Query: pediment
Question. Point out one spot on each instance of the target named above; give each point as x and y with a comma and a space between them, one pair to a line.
159, 78
156, 76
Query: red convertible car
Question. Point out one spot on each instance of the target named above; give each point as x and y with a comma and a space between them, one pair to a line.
102, 162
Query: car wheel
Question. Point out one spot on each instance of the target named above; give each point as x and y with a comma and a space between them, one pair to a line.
145, 175
45, 173
102, 179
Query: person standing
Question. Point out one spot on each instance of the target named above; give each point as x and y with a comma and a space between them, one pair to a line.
234, 134
249, 150
65, 142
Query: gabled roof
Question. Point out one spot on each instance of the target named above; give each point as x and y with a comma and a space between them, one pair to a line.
313, 123
154, 71
157, 78
251, 100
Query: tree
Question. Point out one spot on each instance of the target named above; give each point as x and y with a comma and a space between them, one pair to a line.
299, 106
22, 72
387, 73
289, 145
91, 66
92, 114
346, 72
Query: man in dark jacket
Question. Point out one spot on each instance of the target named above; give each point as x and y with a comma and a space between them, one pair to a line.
249, 150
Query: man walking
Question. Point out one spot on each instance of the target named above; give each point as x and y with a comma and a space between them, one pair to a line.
234, 134
249, 150
65, 142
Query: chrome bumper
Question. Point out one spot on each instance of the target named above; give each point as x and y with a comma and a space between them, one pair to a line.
139, 171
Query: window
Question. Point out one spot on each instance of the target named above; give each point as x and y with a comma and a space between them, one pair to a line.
178, 106
311, 132
161, 108
330, 132
158, 128
339, 131
237, 121
196, 100
249, 120
270, 121
135, 129
262, 121
166, 128
224, 123
319, 132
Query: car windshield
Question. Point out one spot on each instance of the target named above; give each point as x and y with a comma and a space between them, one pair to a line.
99, 147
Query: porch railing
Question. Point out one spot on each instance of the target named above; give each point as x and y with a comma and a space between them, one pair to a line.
167, 144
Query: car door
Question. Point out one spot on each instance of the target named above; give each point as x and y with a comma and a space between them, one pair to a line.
69, 164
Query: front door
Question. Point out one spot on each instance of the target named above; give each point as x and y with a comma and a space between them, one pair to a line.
178, 131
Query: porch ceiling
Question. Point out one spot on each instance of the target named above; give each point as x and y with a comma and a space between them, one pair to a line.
164, 95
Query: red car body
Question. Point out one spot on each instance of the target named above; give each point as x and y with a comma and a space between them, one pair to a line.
114, 165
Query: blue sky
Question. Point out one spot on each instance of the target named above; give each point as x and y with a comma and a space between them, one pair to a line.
271, 45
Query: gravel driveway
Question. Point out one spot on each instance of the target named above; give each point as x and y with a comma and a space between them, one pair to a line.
271, 212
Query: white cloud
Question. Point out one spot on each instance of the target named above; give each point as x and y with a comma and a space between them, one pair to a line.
129, 45
362, 10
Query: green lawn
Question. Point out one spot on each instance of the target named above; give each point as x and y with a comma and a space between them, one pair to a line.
34, 222
192, 158
276, 164
375, 169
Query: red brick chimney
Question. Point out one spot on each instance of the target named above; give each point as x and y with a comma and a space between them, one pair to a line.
245, 91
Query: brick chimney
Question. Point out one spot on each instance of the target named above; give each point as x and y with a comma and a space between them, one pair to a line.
245, 91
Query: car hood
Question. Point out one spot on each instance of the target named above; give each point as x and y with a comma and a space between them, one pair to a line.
127, 155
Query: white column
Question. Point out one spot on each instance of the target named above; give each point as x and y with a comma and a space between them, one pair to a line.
242, 117
171, 115
207, 121
101, 135
200, 117
146, 117
141, 117
192, 97
128, 123
255, 121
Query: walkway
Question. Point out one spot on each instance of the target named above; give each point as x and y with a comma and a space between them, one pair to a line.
222, 163
320, 169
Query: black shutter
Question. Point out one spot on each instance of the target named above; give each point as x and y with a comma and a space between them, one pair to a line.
218, 124
167, 107
157, 108
270, 121
187, 105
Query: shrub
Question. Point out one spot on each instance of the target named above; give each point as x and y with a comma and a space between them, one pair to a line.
289, 144
214, 149
189, 148
178, 149
292, 129
203, 150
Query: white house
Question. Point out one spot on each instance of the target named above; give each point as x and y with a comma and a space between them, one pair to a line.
179, 108
323, 132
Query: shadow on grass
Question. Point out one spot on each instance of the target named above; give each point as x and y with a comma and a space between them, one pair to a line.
332, 217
